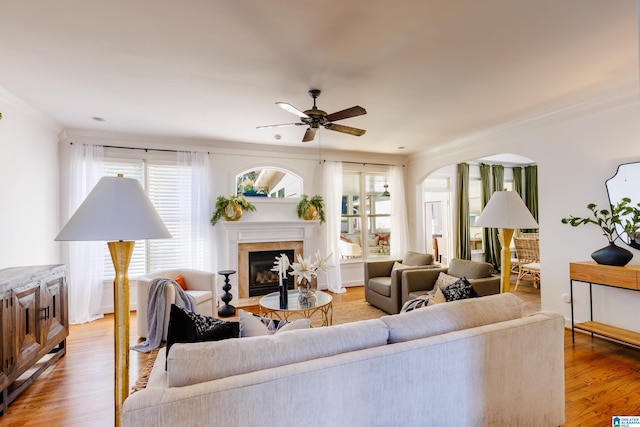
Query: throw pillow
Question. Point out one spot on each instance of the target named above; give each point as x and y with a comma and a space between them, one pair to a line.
438, 297
444, 280
252, 325
184, 329
180, 281
431, 298
345, 239
413, 304
461, 289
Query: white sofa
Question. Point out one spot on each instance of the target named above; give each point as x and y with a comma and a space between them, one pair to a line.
200, 285
474, 362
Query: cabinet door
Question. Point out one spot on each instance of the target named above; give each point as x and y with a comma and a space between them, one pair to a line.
7, 356
27, 315
55, 316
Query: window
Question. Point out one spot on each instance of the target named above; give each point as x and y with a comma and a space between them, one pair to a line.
268, 182
366, 215
160, 181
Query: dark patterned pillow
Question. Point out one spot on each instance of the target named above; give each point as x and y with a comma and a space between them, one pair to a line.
184, 327
203, 323
460, 289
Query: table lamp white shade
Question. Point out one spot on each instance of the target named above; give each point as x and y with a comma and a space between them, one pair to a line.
116, 209
506, 210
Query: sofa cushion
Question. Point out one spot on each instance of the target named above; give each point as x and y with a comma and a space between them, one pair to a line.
415, 258
195, 363
381, 285
453, 316
469, 269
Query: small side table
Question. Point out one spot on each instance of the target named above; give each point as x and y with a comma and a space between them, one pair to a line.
227, 309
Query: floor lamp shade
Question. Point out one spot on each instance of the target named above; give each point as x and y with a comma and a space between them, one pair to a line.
506, 211
116, 209
119, 212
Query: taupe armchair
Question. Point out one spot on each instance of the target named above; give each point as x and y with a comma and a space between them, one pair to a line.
479, 274
382, 284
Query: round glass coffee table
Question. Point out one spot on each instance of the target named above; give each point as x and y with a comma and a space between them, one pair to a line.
304, 308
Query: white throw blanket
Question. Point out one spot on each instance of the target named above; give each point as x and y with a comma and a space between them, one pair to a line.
156, 309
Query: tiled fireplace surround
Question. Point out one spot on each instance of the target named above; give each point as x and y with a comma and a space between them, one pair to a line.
245, 236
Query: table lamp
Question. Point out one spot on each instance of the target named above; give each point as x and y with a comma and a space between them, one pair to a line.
506, 211
119, 212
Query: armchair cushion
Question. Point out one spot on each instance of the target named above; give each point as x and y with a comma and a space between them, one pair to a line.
415, 258
469, 269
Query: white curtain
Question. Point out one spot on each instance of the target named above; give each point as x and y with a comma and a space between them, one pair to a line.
400, 230
193, 181
85, 269
333, 203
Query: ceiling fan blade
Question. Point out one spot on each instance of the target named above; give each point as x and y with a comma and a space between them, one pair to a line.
279, 126
345, 114
293, 110
346, 129
309, 134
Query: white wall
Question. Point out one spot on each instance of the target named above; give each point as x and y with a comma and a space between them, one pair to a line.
29, 195
226, 161
577, 149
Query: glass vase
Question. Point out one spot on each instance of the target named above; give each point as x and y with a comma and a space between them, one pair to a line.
306, 287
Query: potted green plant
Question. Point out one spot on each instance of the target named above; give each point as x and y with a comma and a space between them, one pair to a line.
311, 208
231, 208
607, 220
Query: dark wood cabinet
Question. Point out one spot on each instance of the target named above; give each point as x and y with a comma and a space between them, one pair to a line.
35, 324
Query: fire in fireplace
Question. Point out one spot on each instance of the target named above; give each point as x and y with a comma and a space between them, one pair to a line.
261, 279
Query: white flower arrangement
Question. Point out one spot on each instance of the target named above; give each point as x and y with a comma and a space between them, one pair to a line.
303, 268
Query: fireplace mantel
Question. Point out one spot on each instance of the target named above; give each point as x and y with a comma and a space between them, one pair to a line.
269, 231
264, 232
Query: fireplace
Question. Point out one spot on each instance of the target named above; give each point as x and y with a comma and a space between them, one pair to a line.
244, 237
262, 280
266, 255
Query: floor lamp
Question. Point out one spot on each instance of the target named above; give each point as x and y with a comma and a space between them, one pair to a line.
506, 211
119, 212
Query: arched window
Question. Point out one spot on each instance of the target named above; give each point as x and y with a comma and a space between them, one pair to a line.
268, 182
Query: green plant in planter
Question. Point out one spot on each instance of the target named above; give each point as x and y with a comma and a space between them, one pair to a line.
231, 208
311, 208
607, 219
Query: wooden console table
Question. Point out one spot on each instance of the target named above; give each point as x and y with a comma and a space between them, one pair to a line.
606, 275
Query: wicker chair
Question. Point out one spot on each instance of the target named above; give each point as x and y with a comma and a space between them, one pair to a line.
528, 254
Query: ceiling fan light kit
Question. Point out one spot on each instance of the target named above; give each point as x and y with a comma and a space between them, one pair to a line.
314, 118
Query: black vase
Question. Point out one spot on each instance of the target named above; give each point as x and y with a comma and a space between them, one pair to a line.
612, 255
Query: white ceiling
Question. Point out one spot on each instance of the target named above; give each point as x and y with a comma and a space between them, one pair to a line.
427, 71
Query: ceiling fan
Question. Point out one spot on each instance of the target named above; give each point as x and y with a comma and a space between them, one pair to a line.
315, 118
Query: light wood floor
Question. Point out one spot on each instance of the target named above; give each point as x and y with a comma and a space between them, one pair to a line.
602, 378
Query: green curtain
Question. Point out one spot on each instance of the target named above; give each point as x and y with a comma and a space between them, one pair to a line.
498, 185
485, 195
463, 248
517, 180
531, 191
